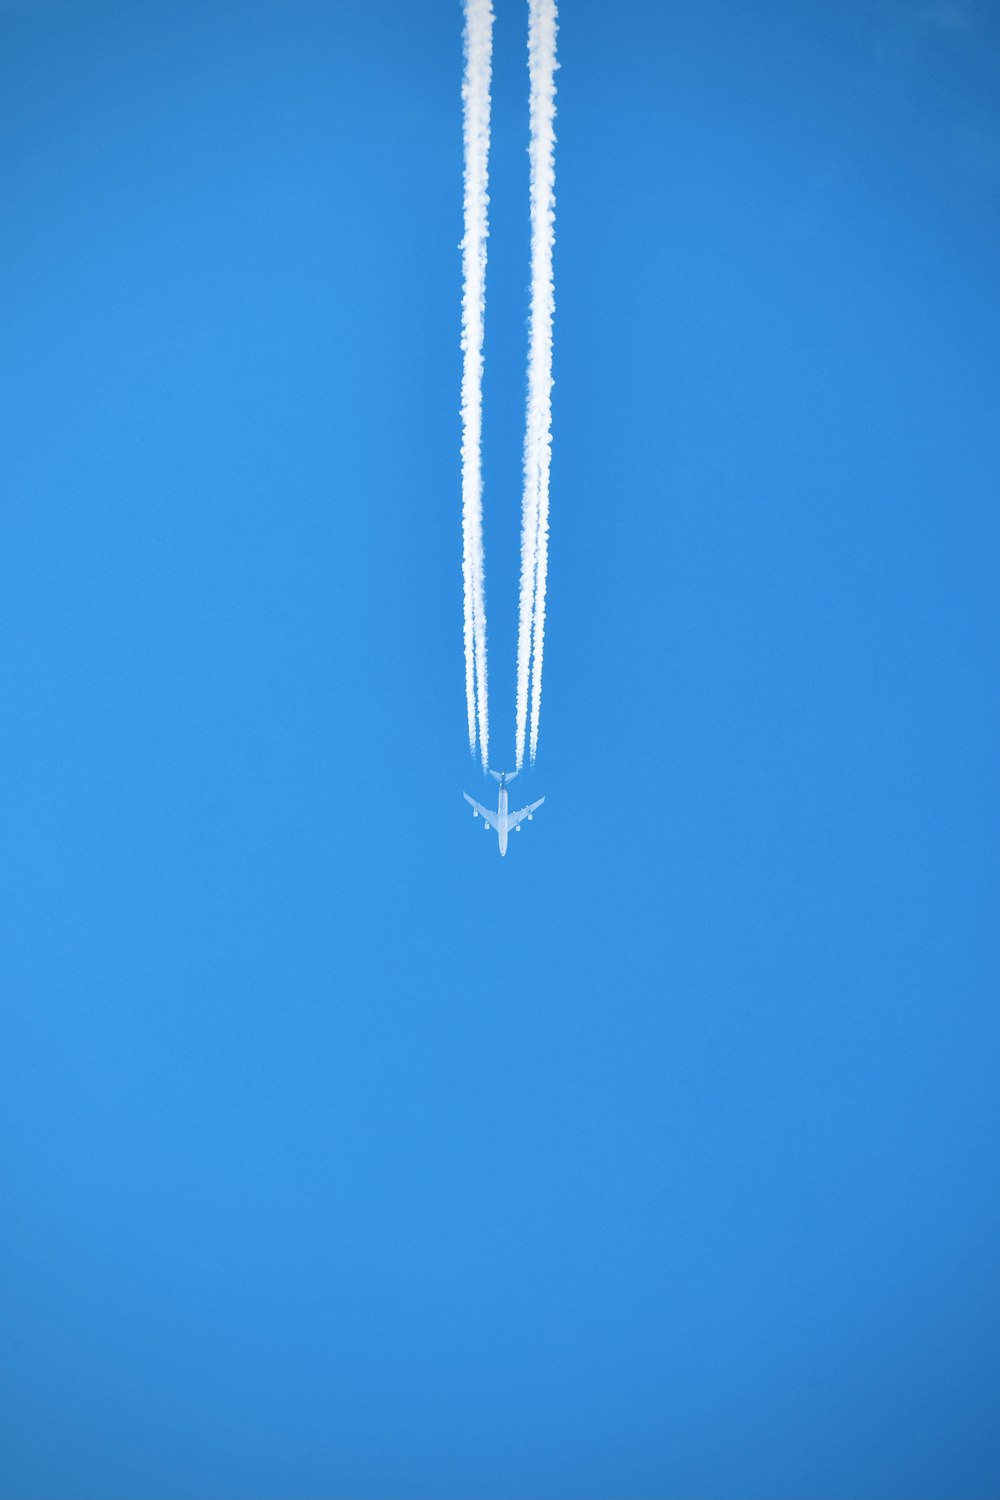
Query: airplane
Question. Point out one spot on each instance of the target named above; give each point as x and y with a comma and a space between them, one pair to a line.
502, 820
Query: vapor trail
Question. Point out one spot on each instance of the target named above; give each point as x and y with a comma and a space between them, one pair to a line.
542, 65
476, 134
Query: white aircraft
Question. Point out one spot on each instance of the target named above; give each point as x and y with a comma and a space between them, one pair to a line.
502, 820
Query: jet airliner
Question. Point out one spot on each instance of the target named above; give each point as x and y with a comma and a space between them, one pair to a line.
502, 820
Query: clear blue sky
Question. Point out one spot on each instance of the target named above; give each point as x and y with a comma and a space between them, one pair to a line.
339, 1156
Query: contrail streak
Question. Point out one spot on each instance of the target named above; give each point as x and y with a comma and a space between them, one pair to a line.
542, 65
476, 135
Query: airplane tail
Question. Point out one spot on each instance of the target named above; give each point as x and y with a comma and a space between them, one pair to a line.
499, 775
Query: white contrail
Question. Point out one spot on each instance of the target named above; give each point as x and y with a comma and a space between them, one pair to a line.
476, 118
538, 420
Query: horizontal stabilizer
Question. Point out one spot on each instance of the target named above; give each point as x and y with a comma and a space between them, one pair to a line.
499, 775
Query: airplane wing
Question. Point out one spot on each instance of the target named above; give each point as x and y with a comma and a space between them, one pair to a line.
514, 818
484, 812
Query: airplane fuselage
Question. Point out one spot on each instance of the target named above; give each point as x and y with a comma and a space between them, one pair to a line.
502, 819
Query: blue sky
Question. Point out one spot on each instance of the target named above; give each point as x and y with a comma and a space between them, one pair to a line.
340, 1157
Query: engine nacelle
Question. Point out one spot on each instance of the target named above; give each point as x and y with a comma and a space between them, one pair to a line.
475, 814
517, 828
